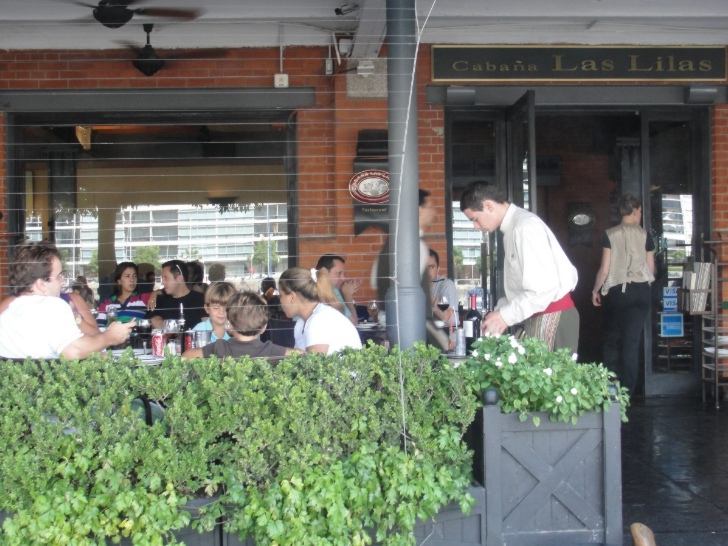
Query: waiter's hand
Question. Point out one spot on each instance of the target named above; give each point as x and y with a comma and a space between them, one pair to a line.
493, 324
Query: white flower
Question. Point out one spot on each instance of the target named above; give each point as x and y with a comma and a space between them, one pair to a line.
475, 353
498, 363
574, 391
548, 371
521, 350
486, 356
559, 399
512, 358
514, 342
574, 357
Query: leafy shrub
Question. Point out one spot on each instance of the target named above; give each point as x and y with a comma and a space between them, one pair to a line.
529, 378
317, 450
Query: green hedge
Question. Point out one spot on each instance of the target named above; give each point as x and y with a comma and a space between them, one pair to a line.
311, 451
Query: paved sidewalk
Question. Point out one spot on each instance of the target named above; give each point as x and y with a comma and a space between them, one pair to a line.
675, 471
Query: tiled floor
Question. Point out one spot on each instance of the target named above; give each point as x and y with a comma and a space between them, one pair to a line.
675, 471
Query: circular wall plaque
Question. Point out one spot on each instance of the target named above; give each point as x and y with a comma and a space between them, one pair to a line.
370, 186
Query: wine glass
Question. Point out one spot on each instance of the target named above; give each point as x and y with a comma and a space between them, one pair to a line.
144, 329
443, 304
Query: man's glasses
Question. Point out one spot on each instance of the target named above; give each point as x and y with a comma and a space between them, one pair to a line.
60, 277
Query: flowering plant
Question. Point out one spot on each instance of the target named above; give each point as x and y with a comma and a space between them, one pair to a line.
529, 378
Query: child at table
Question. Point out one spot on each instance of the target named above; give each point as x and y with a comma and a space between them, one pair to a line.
217, 297
247, 314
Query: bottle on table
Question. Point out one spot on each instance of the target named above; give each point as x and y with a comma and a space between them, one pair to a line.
471, 324
181, 319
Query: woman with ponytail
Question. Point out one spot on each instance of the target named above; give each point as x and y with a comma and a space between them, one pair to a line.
305, 296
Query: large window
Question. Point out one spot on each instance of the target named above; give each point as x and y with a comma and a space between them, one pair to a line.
154, 193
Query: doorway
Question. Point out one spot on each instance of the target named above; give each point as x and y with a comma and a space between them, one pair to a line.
585, 160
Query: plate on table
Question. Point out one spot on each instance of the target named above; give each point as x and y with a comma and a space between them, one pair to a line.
150, 360
119, 352
367, 326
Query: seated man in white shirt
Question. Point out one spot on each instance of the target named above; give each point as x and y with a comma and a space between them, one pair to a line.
38, 323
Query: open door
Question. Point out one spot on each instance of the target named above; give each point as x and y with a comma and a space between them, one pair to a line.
520, 169
521, 152
677, 213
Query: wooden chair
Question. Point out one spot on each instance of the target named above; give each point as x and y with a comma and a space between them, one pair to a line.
642, 535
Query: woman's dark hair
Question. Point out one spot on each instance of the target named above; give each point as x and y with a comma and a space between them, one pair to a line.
32, 260
119, 271
195, 273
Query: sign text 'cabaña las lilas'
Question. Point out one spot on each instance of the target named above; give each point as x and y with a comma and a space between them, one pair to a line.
574, 63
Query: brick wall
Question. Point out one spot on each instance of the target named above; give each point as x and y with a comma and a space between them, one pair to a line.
327, 132
719, 179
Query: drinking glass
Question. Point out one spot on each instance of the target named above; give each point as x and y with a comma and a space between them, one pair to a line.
443, 304
171, 328
110, 316
373, 311
144, 329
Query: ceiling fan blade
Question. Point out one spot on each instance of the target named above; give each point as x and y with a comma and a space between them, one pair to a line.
202, 53
92, 6
131, 47
172, 13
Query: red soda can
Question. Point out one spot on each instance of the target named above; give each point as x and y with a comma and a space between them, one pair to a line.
157, 343
189, 340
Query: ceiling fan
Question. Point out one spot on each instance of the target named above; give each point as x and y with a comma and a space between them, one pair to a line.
117, 13
148, 62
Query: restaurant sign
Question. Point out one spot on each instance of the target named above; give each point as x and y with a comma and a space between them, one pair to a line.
370, 190
578, 63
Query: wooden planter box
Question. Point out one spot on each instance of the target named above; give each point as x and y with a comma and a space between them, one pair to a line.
557, 483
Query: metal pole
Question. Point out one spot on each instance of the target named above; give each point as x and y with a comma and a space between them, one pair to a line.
267, 221
405, 297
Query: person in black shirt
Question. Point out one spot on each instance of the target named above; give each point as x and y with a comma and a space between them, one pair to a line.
176, 293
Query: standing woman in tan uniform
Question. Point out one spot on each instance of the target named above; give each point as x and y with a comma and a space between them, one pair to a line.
622, 287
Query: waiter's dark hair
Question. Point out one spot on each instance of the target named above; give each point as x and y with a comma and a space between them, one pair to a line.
479, 191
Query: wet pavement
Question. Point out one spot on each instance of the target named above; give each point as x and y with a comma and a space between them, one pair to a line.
675, 471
